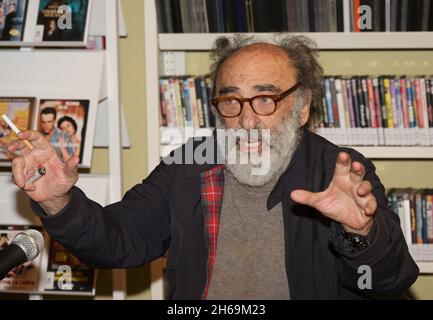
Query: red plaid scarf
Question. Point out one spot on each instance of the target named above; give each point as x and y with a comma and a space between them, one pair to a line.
212, 190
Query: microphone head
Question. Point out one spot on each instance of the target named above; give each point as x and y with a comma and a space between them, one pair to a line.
31, 242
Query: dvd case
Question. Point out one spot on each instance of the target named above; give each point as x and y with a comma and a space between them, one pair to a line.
12, 19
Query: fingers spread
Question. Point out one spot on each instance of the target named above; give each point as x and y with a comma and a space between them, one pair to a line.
371, 206
343, 163
305, 197
358, 171
367, 204
364, 188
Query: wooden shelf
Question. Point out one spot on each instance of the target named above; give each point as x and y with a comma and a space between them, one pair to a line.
324, 40
425, 267
382, 152
172, 138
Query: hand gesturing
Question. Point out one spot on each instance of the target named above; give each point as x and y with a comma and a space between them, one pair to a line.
348, 199
51, 191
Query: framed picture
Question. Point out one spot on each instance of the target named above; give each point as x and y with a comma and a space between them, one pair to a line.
21, 112
64, 124
63, 22
12, 20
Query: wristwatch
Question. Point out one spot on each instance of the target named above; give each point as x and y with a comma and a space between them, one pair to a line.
345, 241
357, 241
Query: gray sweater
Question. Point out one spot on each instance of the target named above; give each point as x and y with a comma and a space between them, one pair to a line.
250, 260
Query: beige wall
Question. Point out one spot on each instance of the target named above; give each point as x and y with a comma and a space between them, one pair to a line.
134, 159
392, 173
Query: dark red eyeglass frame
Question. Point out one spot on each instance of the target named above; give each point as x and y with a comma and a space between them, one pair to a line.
275, 97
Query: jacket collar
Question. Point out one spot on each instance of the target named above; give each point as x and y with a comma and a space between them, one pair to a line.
205, 144
298, 164
286, 183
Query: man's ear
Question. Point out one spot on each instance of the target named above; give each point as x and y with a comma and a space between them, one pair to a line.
305, 113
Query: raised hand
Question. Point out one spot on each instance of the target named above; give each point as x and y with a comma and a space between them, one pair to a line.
52, 190
348, 199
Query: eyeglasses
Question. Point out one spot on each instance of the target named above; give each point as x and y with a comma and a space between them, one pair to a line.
263, 105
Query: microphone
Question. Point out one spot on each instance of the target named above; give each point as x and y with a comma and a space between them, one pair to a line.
24, 247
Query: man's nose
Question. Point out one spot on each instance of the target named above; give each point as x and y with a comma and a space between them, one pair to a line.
248, 117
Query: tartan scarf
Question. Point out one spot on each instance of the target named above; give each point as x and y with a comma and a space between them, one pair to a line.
212, 190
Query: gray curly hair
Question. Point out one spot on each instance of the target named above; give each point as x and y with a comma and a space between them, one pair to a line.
301, 51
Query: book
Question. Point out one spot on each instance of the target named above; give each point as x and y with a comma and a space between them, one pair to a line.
64, 265
21, 112
186, 15
25, 277
162, 17
12, 19
64, 124
62, 21
303, 15
192, 16
229, 14
176, 16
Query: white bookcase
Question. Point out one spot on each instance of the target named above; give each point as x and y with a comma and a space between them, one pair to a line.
191, 42
73, 73
324, 40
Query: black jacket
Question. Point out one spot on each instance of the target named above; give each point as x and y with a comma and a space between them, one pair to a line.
164, 212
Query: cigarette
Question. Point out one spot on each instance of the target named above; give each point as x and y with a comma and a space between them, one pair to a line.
17, 131
36, 173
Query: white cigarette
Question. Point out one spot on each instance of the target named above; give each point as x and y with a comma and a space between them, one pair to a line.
16, 130
10, 124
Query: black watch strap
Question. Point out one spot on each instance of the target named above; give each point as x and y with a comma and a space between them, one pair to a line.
355, 240
359, 241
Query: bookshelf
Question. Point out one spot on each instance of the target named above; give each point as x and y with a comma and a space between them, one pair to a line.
328, 42
324, 40
16, 211
73, 73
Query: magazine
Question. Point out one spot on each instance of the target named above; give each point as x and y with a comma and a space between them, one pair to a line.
12, 19
25, 277
64, 123
62, 20
20, 111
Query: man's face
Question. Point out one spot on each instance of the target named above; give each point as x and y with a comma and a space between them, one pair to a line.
256, 70
262, 69
47, 123
11, 8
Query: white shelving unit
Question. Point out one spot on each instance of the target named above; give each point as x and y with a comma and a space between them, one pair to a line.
324, 40
425, 267
73, 74
15, 208
156, 42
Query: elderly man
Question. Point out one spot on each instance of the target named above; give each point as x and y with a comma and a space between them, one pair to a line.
315, 225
